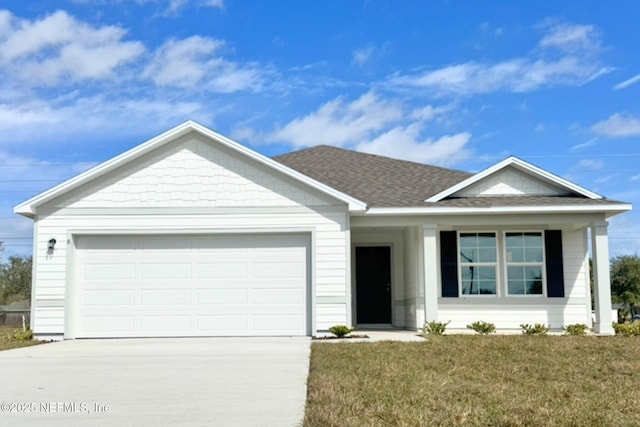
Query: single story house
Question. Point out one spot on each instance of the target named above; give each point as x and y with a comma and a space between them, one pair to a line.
193, 234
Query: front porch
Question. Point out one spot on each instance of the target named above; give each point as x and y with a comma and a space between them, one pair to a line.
396, 275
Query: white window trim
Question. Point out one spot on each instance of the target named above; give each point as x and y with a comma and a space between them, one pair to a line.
495, 265
502, 279
542, 264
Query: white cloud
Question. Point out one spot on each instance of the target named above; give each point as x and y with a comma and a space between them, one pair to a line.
219, 4
406, 143
362, 56
191, 63
591, 142
577, 65
338, 123
590, 165
571, 37
58, 48
374, 125
625, 84
182, 63
618, 125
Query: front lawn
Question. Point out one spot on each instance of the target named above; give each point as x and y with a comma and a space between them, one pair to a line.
8, 338
476, 380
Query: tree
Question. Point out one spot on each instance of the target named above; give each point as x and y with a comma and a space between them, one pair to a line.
15, 279
625, 281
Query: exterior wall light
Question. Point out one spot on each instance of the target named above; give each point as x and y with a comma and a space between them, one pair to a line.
51, 245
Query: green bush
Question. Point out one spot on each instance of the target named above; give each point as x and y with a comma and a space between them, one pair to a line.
627, 329
434, 328
482, 328
19, 335
340, 330
577, 329
535, 329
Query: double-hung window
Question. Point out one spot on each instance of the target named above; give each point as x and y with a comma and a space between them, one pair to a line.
524, 263
478, 263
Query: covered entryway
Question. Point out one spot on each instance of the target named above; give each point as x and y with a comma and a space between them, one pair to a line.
373, 284
190, 285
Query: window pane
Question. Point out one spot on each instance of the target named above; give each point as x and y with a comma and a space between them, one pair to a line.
478, 280
516, 287
468, 255
487, 255
487, 288
514, 240
515, 273
532, 240
534, 280
533, 255
515, 255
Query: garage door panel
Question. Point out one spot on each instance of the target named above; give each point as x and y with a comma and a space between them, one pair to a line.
99, 325
268, 322
116, 271
165, 271
273, 297
165, 297
269, 270
223, 323
164, 324
222, 270
222, 296
112, 297
191, 285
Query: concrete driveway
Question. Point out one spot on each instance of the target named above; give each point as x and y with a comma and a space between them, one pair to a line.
156, 382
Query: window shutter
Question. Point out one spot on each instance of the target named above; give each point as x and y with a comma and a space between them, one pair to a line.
449, 263
554, 263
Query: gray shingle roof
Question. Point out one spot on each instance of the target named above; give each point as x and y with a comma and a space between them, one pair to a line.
385, 182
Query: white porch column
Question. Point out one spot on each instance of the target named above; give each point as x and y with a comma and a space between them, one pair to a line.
601, 278
430, 264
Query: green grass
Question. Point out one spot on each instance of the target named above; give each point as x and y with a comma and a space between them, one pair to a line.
476, 381
6, 343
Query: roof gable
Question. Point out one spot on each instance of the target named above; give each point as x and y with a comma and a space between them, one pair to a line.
28, 208
191, 172
513, 177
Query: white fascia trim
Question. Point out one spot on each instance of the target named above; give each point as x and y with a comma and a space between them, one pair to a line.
521, 165
617, 208
28, 207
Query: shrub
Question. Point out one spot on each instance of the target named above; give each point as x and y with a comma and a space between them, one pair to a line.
340, 330
434, 328
483, 328
19, 335
577, 329
627, 329
535, 329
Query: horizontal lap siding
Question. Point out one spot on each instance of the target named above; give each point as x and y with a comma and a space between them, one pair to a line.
330, 252
512, 316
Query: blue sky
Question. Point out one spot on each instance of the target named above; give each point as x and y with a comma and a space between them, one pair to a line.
454, 83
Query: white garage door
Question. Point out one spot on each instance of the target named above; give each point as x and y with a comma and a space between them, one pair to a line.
152, 286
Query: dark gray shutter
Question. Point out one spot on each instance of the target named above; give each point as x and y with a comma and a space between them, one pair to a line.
554, 263
449, 263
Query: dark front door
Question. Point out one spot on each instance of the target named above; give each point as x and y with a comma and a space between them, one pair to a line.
373, 284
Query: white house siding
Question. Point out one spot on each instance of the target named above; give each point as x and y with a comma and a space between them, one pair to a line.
192, 172
209, 190
509, 313
510, 182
